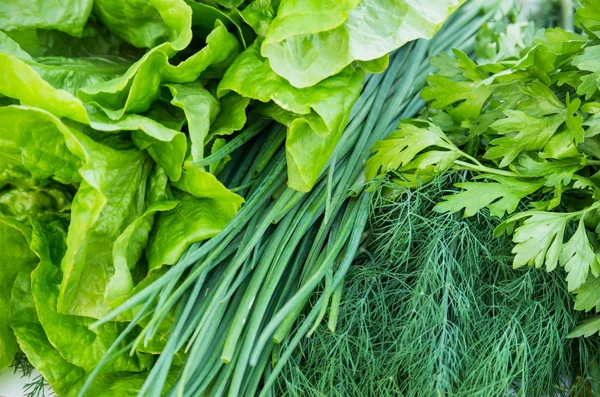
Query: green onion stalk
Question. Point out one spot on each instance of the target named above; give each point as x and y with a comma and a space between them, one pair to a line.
242, 295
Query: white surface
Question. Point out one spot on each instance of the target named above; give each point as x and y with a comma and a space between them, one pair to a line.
11, 384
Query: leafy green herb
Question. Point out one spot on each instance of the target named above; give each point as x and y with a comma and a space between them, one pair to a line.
523, 123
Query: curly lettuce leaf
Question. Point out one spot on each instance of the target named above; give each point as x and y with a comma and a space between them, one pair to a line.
148, 24
259, 14
62, 376
110, 197
165, 145
204, 15
135, 90
10, 47
201, 109
103, 83
22, 202
65, 378
18, 78
230, 3
168, 154
48, 241
60, 60
203, 184
15, 257
70, 17
129, 248
192, 220
71, 74
32, 147
310, 40
95, 41
231, 117
315, 116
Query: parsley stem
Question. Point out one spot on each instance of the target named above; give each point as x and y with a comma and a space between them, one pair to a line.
584, 211
473, 159
482, 168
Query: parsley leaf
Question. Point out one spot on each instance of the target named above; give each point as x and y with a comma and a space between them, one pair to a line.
588, 17
404, 150
587, 296
587, 328
578, 257
500, 198
522, 133
538, 239
589, 61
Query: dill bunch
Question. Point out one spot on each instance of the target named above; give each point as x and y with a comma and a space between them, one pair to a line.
433, 307
21, 365
36, 386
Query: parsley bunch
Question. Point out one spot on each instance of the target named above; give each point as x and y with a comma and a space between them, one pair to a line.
525, 121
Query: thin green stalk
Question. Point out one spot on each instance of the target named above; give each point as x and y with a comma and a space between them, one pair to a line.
237, 142
327, 292
300, 333
350, 229
273, 145
210, 355
256, 282
334, 310
241, 160
282, 255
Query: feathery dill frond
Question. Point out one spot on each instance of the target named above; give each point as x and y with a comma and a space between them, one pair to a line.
434, 308
38, 387
22, 365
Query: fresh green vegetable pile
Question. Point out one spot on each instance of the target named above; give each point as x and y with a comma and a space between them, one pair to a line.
524, 121
131, 131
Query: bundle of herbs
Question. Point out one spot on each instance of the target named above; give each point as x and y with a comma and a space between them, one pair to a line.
525, 125
183, 181
239, 297
133, 130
